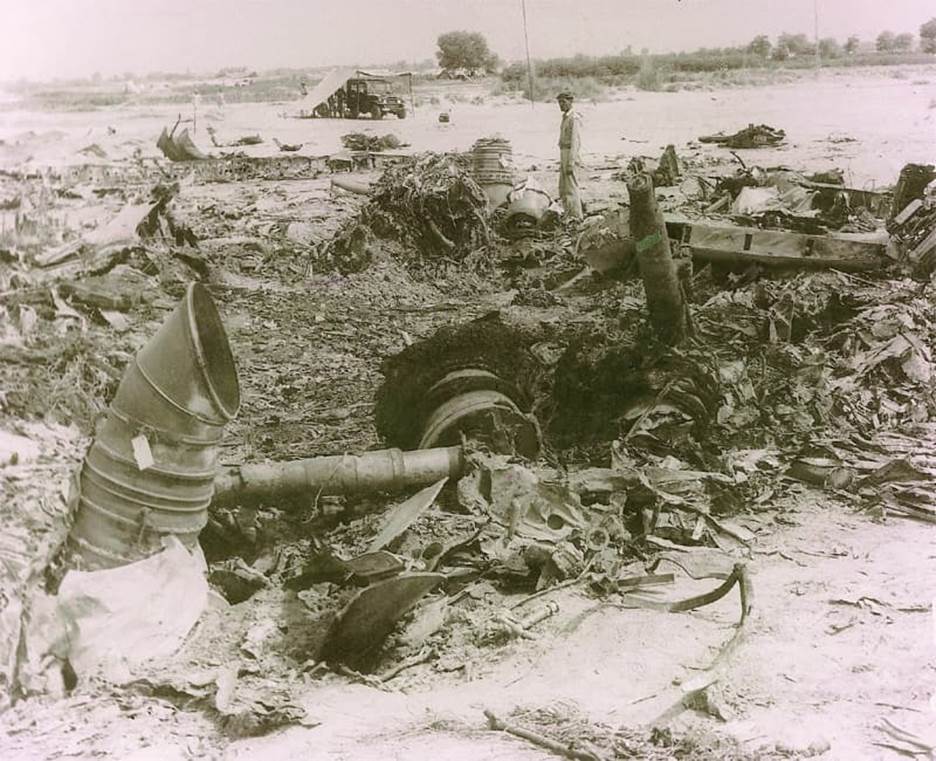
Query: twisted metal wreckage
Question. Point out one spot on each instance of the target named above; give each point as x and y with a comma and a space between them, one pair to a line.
463, 414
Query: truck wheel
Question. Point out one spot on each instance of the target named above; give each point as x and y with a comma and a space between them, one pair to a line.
376, 112
401, 114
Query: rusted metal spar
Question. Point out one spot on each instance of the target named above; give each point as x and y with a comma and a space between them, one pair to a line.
382, 470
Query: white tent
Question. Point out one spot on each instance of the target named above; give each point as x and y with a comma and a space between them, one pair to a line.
330, 84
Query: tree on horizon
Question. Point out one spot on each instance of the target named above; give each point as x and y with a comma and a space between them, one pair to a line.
885, 41
796, 44
465, 50
904, 42
928, 36
829, 48
760, 46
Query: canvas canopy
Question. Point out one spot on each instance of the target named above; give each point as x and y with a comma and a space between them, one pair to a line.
330, 84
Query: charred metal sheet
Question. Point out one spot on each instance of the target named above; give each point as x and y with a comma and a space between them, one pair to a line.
403, 515
876, 201
372, 567
179, 147
778, 248
360, 629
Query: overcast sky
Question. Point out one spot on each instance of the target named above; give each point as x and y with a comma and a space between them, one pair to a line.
66, 38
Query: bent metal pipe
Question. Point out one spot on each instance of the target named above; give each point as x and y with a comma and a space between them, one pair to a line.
382, 470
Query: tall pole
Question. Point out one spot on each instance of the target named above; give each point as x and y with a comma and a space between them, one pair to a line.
816, 33
526, 42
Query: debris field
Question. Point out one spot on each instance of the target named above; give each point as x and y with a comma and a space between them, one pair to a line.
449, 438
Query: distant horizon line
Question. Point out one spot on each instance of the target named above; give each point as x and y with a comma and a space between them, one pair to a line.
404, 65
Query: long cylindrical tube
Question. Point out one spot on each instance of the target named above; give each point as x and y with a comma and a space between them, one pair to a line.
665, 300
351, 185
383, 470
151, 468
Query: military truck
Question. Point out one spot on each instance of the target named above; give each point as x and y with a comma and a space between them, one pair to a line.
362, 96
374, 96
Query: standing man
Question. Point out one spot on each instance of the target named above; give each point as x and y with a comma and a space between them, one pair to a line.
196, 102
569, 149
340, 103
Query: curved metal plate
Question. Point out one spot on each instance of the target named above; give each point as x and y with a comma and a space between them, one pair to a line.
360, 629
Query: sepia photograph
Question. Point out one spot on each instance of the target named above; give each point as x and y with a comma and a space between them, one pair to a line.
468, 379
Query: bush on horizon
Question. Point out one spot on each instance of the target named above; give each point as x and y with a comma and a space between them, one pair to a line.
615, 70
545, 89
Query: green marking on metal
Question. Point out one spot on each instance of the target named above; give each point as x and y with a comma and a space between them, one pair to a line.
648, 242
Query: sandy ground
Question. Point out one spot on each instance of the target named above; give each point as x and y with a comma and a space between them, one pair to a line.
888, 113
842, 634
841, 637
816, 670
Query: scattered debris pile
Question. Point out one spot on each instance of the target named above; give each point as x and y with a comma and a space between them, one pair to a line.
784, 199
913, 226
147, 232
752, 136
362, 141
241, 141
820, 359
73, 306
587, 452
35, 461
179, 147
287, 147
911, 185
433, 208
849, 353
667, 170
661, 399
778, 371
565, 731
607, 245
